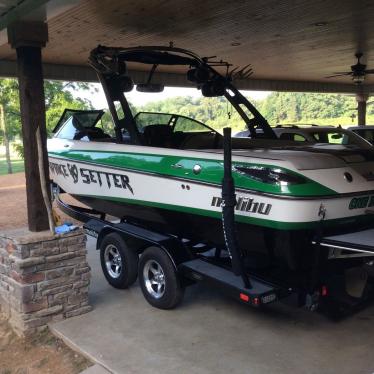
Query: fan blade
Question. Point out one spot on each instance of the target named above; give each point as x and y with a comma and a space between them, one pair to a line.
342, 72
233, 71
369, 71
339, 74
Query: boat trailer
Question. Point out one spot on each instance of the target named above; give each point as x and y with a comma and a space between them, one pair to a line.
169, 263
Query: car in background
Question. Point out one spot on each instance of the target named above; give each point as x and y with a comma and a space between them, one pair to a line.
317, 134
366, 132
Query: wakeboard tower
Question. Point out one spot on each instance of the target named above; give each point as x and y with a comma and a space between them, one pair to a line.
164, 172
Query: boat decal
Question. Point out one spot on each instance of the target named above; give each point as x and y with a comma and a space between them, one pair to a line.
264, 222
90, 176
166, 193
362, 202
211, 174
245, 204
52, 156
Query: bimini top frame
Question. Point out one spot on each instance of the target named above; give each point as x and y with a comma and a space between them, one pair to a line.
110, 64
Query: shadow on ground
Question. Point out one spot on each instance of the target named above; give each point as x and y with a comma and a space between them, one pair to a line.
210, 333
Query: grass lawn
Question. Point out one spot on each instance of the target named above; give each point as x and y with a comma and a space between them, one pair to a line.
17, 165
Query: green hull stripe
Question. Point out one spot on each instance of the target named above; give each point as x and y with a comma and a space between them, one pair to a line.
238, 218
212, 171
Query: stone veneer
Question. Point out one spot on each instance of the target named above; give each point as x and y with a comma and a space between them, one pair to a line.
43, 278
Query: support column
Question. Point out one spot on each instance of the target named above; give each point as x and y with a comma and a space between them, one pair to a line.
361, 108
28, 38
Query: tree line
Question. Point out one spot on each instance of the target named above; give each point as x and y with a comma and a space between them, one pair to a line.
278, 107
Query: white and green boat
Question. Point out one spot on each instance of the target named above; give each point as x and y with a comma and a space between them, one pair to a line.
164, 171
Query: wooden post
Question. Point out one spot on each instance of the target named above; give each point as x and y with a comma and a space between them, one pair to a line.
361, 108
31, 91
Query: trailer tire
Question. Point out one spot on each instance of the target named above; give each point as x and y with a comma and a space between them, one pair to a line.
159, 280
118, 262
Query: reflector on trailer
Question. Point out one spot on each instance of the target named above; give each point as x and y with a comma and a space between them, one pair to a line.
324, 291
244, 297
256, 301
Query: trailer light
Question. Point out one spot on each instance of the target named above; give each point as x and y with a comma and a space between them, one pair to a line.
244, 297
256, 301
324, 291
270, 175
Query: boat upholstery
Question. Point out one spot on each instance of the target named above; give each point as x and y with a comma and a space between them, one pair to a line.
206, 140
92, 133
158, 135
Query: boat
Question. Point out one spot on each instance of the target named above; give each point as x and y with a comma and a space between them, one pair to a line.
164, 170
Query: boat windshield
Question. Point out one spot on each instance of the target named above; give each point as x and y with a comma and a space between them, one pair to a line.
80, 119
367, 134
178, 123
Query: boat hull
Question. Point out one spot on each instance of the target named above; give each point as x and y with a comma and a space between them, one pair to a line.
278, 225
194, 197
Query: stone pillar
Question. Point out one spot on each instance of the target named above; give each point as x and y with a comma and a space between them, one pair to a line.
28, 38
43, 278
361, 108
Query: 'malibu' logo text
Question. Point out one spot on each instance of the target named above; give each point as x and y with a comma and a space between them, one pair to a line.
245, 204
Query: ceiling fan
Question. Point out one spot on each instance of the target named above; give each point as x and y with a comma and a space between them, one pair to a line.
358, 71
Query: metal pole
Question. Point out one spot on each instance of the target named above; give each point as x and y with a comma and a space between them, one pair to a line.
228, 210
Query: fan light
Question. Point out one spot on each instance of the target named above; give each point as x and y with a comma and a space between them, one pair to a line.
359, 78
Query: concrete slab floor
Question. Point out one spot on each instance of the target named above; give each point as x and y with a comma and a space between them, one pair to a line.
95, 369
210, 333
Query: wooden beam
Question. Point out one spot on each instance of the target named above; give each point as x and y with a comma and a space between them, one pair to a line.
27, 39
32, 102
20, 10
361, 108
78, 73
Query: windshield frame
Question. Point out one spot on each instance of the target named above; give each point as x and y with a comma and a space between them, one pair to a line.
63, 119
174, 117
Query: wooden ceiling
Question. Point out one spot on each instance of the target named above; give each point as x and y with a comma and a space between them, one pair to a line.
294, 40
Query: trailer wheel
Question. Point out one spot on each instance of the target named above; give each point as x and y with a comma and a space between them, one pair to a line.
158, 279
119, 263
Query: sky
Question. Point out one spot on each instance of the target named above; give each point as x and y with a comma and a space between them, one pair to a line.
137, 98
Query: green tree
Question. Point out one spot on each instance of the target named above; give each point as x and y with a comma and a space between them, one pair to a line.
58, 96
9, 116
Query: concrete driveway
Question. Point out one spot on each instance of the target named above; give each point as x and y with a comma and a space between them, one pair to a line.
210, 333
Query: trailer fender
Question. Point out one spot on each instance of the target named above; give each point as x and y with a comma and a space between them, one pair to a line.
136, 244
177, 252
105, 231
177, 255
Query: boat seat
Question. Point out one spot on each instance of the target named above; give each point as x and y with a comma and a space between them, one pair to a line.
93, 134
158, 135
200, 141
